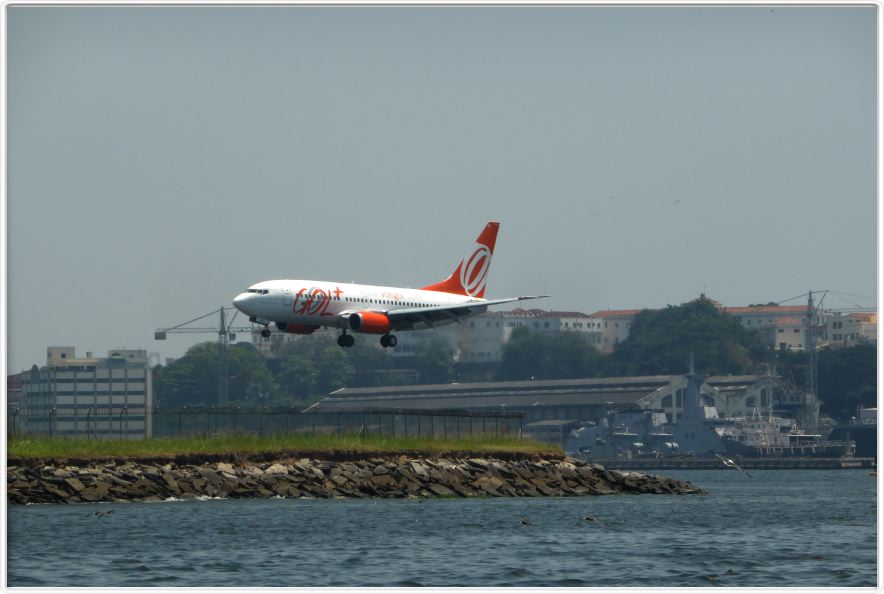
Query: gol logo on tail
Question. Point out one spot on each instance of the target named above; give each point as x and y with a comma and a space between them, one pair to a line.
474, 270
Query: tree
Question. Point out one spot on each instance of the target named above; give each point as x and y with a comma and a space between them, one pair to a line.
333, 369
297, 378
847, 379
311, 368
433, 362
250, 380
560, 355
192, 379
371, 364
661, 342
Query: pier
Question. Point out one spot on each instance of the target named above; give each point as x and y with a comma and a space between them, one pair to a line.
747, 463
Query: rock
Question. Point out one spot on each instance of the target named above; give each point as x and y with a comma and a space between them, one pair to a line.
441, 490
75, 484
478, 463
541, 486
277, 468
169, 479
60, 493
489, 484
461, 490
252, 471
225, 468
419, 469
382, 480
405, 477
90, 494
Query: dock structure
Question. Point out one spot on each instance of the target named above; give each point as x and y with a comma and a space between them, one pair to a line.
795, 463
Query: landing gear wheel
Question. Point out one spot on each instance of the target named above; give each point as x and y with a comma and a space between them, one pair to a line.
265, 332
345, 340
388, 340
391, 340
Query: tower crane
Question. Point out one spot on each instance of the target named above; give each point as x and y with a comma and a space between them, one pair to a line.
226, 334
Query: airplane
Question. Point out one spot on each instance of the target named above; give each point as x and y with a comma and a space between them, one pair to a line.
303, 306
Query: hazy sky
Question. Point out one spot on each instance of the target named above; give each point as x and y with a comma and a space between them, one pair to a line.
162, 159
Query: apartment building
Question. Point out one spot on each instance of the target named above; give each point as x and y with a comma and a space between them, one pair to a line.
851, 329
100, 397
612, 327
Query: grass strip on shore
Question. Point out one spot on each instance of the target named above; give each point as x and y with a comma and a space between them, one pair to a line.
241, 444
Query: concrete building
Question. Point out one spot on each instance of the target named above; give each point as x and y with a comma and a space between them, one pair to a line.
572, 400
786, 333
781, 326
539, 400
480, 339
13, 402
101, 397
742, 395
612, 327
851, 329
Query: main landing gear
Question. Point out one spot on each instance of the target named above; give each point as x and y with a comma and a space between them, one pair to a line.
265, 332
346, 340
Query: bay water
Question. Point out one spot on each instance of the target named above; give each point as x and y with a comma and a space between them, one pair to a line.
783, 528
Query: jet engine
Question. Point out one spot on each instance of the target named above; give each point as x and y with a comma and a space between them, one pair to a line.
370, 322
296, 328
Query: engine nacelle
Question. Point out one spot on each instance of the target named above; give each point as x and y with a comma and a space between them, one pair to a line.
296, 328
370, 322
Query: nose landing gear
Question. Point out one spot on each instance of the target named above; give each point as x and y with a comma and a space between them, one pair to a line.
388, 340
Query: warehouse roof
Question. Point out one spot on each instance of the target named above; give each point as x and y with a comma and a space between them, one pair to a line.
497, 395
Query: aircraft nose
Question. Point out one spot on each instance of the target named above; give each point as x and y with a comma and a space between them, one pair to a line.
240, 301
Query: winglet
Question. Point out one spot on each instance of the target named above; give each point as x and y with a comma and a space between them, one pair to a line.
471, 275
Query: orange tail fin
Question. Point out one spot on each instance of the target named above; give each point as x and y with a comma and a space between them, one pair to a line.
471, 274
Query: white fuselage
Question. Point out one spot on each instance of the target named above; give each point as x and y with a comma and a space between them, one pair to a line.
320, 303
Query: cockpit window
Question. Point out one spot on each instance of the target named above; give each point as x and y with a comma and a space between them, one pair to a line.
259, 291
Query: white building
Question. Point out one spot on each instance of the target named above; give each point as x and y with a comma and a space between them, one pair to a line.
100, 397
612, 327
742, 395
851, 329
786, 333
480, 339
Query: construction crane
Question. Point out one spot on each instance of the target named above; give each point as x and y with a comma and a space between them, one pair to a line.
226, 334
811, 345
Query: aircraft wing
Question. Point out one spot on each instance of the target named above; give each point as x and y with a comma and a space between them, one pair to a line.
408, 319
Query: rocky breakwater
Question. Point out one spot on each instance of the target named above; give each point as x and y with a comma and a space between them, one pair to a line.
376, 477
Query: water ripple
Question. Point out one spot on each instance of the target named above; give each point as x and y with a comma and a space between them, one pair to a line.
765, 532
